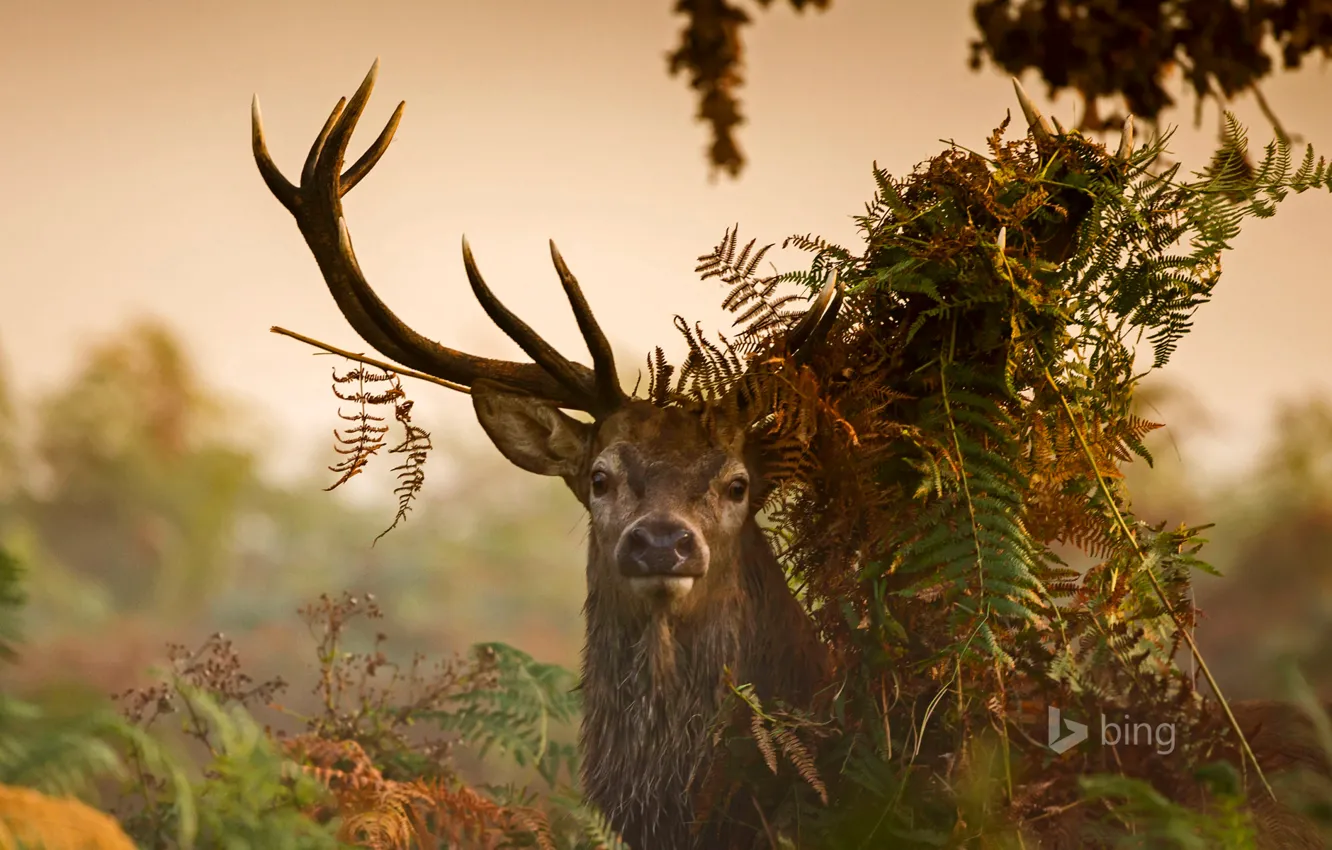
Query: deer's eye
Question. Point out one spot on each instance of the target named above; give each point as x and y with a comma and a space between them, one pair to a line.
737, 489
600, 482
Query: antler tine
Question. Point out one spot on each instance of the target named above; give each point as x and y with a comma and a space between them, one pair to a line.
332, 143
574, 378
368, 160
800, 335
279, 185
1126, 140
312, 156
808, 334
317, 207
1040, 129
814, 326
360, 312
609, 392
342, 123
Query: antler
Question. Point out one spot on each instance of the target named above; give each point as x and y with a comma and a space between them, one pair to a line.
812, 329
1040, 128
316, 204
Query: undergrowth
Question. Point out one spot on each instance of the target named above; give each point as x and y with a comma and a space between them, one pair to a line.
184, 763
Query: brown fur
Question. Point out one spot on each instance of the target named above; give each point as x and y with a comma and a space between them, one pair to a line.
653, 670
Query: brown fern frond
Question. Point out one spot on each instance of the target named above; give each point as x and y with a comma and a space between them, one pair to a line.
362, 440
416, 447
659, 377
710, 370
758, 313
462, 812
384, 814
763, 739
802, 760
365, 437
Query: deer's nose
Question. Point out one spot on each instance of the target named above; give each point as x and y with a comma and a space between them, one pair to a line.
658, 548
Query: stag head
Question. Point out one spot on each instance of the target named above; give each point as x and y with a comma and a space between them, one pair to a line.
669, 490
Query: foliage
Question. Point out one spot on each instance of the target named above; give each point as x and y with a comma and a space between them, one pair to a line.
246, 797
31, 819
141, 456
12, 599
1099, 49
359, 441
711, 51
380, 746
1103, 49
967, 425
1161, 822
519, 713
52, 754
360, 772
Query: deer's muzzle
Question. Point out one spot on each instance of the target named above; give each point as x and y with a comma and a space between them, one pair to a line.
660, 548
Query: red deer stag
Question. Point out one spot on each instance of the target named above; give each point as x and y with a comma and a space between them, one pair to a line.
681, 582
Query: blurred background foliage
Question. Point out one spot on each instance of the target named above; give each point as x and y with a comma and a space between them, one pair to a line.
1117, 56
136, 497
1271, 540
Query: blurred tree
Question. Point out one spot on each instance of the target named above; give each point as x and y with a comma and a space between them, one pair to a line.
1100, 49
712, 51
1297, 469
8, 438
1110, 48
140, 480
1274, 539
145, 497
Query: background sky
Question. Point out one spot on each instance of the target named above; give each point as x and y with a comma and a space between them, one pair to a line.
130, 191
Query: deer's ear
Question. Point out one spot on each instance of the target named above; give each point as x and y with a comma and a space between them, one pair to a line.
533, 434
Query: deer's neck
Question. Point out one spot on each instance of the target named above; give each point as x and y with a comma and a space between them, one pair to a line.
652, 685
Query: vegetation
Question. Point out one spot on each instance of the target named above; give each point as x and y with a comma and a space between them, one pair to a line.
359, 771
1103, 51
953, 506
969, 426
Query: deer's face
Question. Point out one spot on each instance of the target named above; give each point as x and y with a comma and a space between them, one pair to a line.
668, 497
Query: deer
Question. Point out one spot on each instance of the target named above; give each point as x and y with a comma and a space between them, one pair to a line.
683, 587
682, 584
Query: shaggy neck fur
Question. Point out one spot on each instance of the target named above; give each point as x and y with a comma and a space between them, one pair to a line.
653, 681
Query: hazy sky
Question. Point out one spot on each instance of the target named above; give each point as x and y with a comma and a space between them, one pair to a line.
130, 190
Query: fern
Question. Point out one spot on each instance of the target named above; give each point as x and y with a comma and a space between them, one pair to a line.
364, 438
519, 714
1143, 817
361, 440
415, 446
758, 310
972, 411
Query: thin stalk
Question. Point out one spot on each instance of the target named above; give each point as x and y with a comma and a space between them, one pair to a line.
370, 361
1156, 586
